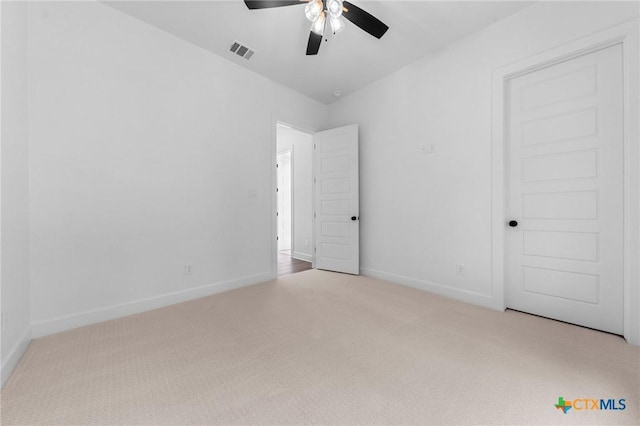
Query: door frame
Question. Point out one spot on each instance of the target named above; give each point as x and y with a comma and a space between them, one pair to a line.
625, 34
274, 195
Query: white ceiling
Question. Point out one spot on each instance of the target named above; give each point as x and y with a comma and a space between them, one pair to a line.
346, 61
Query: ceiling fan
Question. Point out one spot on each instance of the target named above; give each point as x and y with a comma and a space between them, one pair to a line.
321, 11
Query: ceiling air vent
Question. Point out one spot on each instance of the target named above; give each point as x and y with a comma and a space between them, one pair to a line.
241, 50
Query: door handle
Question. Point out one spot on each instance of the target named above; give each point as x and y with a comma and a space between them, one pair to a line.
513, 223
354, 218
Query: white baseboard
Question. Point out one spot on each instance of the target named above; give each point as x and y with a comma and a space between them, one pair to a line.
80, 319
14, 356
301, 256
439, 289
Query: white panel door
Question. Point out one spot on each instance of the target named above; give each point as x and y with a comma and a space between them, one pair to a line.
565, 190
337, 226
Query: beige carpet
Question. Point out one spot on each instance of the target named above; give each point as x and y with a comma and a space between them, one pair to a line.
318, 347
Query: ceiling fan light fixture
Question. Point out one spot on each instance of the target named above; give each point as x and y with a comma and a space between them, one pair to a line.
337, 24
319, 11
334, 7
318, 26
313, 9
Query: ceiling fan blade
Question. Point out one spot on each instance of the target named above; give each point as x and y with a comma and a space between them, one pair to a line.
364, 20
314, 43
265, 4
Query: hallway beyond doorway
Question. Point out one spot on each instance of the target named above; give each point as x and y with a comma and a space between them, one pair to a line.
288, 265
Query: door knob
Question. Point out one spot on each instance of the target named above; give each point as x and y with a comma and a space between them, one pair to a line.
513, 223
354, 218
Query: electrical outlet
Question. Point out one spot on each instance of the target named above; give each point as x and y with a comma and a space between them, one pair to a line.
460, 270
428, 148
188, 270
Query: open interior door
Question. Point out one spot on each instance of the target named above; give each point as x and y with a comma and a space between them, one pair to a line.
337, 213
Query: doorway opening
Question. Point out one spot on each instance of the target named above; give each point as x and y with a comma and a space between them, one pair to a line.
294, 179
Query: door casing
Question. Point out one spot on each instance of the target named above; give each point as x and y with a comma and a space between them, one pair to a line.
627, 35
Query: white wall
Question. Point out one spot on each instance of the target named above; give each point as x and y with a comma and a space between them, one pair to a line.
424, 213
14, 192
302, 144
145, 154
144, 151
